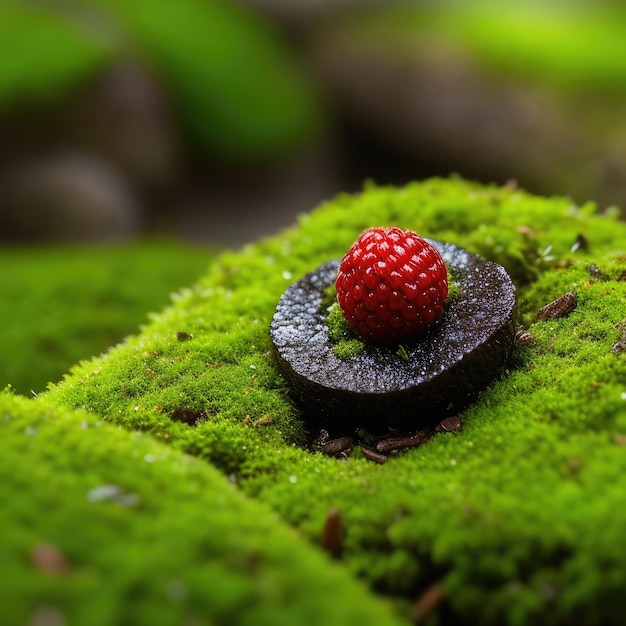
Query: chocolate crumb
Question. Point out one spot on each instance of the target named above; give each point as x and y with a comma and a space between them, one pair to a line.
49, 559
332, 534
337, 447
450, 424
558, 308
407, 441
322, 437
522, 336
427, 602
372, 455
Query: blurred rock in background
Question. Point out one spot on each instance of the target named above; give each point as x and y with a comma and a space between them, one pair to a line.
525, 92
220, 121
66, 198
125, 116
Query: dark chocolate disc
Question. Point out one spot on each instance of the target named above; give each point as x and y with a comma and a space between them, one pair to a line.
383, 387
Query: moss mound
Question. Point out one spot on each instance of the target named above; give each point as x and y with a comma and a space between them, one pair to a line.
101, 526
63, 304
504, 515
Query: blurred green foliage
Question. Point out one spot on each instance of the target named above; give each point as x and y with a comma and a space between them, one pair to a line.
42, 55
60, 305
235, 84
578, 46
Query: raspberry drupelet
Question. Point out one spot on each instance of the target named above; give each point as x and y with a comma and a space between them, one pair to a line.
391, 285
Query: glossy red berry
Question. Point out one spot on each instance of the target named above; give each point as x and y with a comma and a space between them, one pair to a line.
391, 284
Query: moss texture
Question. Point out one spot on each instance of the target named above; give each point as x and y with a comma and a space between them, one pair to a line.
517, 516
63, 304
102, 527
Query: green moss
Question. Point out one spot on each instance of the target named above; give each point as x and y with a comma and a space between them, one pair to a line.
453, 289
329, 298
63, 304
346, 342
505, 513
348, 348
141, 534
402, 353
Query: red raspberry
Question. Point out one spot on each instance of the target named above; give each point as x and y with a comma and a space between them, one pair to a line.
391, 284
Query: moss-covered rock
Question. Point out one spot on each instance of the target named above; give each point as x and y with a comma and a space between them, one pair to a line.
101, 526
517, 517
63, 304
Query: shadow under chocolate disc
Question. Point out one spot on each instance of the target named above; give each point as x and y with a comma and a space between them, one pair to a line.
382, 387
